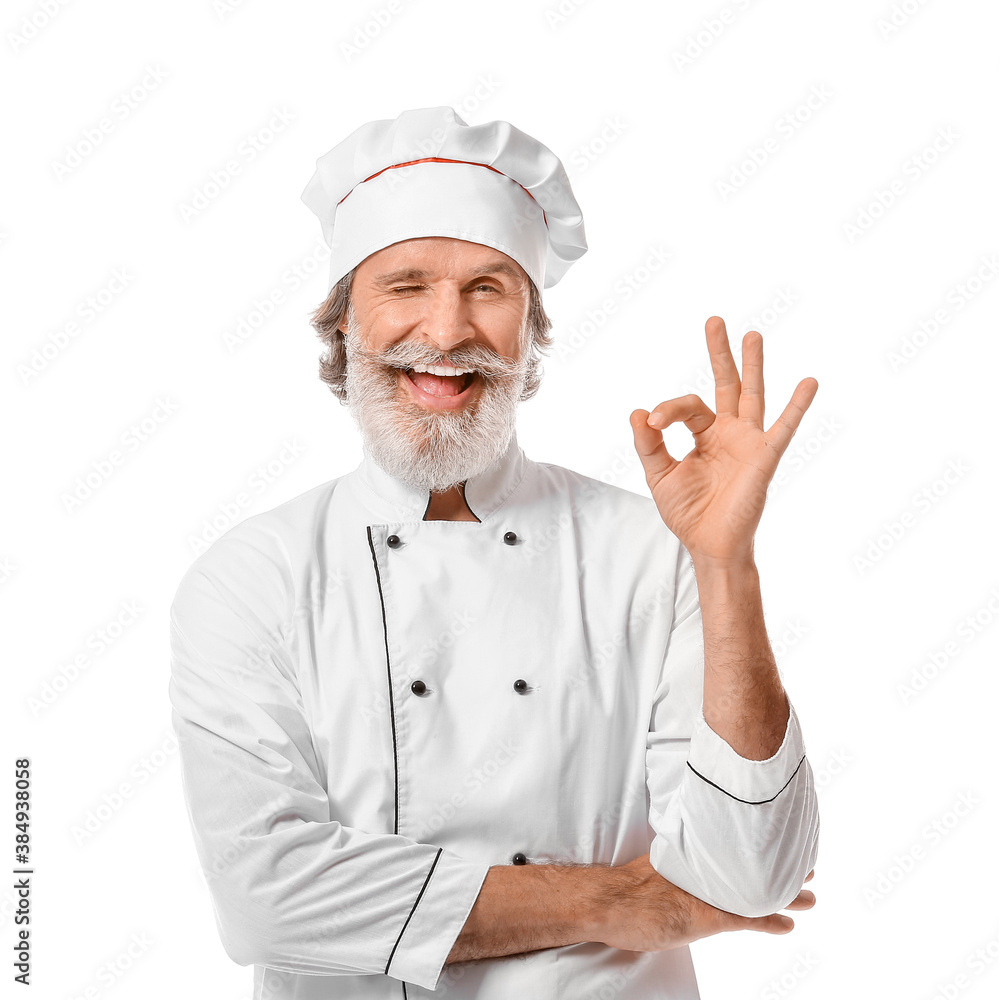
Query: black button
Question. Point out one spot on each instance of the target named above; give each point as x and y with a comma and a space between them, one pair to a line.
519, 859
394, 540
418, 687
520, 686
510, 538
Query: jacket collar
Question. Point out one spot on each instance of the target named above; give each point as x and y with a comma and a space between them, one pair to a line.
484, 493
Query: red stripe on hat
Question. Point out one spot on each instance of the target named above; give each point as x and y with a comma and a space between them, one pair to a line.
441, 159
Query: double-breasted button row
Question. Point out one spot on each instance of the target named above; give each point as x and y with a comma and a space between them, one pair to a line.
520, 686
394, 541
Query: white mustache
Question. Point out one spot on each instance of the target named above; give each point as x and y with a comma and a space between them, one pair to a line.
486, 363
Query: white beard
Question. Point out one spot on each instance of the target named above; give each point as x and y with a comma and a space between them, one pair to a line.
432, 449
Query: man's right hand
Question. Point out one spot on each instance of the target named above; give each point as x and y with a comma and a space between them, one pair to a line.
638, 910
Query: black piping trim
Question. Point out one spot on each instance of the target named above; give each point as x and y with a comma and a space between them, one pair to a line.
736, 797
440, 851
469, 506
388, 667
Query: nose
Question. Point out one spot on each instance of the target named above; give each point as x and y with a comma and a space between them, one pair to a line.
446, 322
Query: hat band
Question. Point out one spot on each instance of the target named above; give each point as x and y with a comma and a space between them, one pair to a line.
442, 159
452, 200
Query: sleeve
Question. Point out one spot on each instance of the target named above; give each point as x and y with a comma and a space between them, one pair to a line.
293, 888
740, 834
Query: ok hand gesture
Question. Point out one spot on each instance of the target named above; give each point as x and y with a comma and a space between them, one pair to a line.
712, 499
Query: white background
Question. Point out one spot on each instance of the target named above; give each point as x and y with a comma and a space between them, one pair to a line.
874, 549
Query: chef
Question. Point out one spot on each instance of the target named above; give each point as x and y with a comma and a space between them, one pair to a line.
463, 723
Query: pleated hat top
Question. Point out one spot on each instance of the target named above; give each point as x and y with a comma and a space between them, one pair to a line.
428, 173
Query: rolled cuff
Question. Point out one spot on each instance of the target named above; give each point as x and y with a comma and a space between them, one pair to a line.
438, 915
751, 781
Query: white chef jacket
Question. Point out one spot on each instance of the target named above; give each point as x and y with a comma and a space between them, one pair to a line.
345, 817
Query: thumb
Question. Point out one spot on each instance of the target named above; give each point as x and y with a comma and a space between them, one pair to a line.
649, 444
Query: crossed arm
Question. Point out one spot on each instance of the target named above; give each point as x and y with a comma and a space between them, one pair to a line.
531, 907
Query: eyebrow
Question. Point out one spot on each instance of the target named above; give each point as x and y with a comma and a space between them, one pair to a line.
417, 274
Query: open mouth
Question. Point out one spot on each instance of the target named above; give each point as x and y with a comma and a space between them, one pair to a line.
440, 386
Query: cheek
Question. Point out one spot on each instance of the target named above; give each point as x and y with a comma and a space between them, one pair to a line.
392, 316
504, 330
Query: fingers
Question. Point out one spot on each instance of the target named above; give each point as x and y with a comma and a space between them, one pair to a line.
692, 410
805, 900
774, 923
810, 875
751, 403
648, 427
786, 424
728, 387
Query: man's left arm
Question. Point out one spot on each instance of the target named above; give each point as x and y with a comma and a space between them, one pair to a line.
744, 699
740, 829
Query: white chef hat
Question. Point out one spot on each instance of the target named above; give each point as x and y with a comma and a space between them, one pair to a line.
428, 173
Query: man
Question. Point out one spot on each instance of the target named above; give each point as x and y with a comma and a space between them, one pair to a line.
463, 723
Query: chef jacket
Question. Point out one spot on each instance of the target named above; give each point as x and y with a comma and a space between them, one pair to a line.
374, 708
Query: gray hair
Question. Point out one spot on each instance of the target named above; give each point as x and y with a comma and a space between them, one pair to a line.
334, 310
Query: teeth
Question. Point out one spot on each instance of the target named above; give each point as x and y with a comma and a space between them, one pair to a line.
441, 370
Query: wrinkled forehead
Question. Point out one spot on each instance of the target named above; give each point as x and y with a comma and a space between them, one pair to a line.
436, 258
